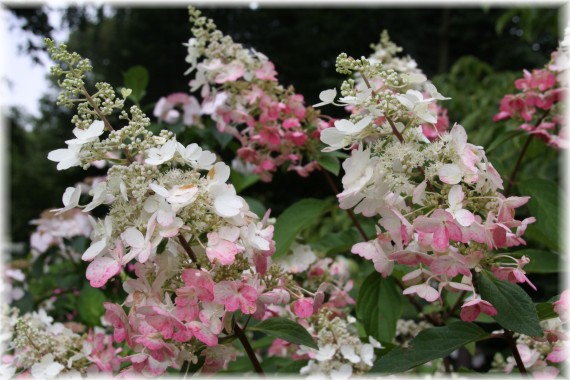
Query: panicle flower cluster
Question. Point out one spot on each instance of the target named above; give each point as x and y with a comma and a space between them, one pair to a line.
541, 355
240, 92
539, 105
52, 230
438, 203
199, 253
388, 66
324, 313
385, 52
36, 346
325, 282
341, 354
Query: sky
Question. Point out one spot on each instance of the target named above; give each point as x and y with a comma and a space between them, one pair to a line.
22, 82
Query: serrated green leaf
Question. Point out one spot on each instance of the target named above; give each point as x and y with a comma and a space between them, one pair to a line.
379, 306
294, 220
136, 78
90, 305
540, 261
515, 309
285, 329
329, 163
430, 344
544, 206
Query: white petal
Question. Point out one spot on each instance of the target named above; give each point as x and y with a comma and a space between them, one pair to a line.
228, 205
94, 250
327, 97
450, 174
133, 237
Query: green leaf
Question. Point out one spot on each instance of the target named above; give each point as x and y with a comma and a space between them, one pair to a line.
337, 242
430, 344
329, 163
545, 310
540, 261
285, 329
292, 367
242, 181
136, 78
505, 137
379, 306
90, 305
222, 138
256, 206
544, 205
515, 309
294, 220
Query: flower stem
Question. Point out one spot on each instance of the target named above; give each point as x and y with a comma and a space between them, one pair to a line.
395, 130
248, 349
456, 304
513, 343
517, 165
348, 211
97, 110
188, 250
521, 155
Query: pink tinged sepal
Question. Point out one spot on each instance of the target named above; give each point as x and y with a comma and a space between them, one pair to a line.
424, 291
202, 333
115, 315
450, 174
303, 307
220, 250
471, 309
562, 306
371, 250
450, 265
101, 270
411, 258
235, 295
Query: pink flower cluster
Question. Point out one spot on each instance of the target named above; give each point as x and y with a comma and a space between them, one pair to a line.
241, 95
539, 103
175, 308
539, 354
438, 201
328, 282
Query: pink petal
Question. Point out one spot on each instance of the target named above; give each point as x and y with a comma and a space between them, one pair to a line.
303, 307
101, 270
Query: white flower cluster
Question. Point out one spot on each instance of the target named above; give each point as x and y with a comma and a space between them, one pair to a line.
341, 353
35, 345
200, 253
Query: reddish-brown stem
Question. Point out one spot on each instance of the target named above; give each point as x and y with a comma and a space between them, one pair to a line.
248, 349
513, 175
513, 344
188, 250
97, 110
456, 304
447, 364
395, 130
348, 211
